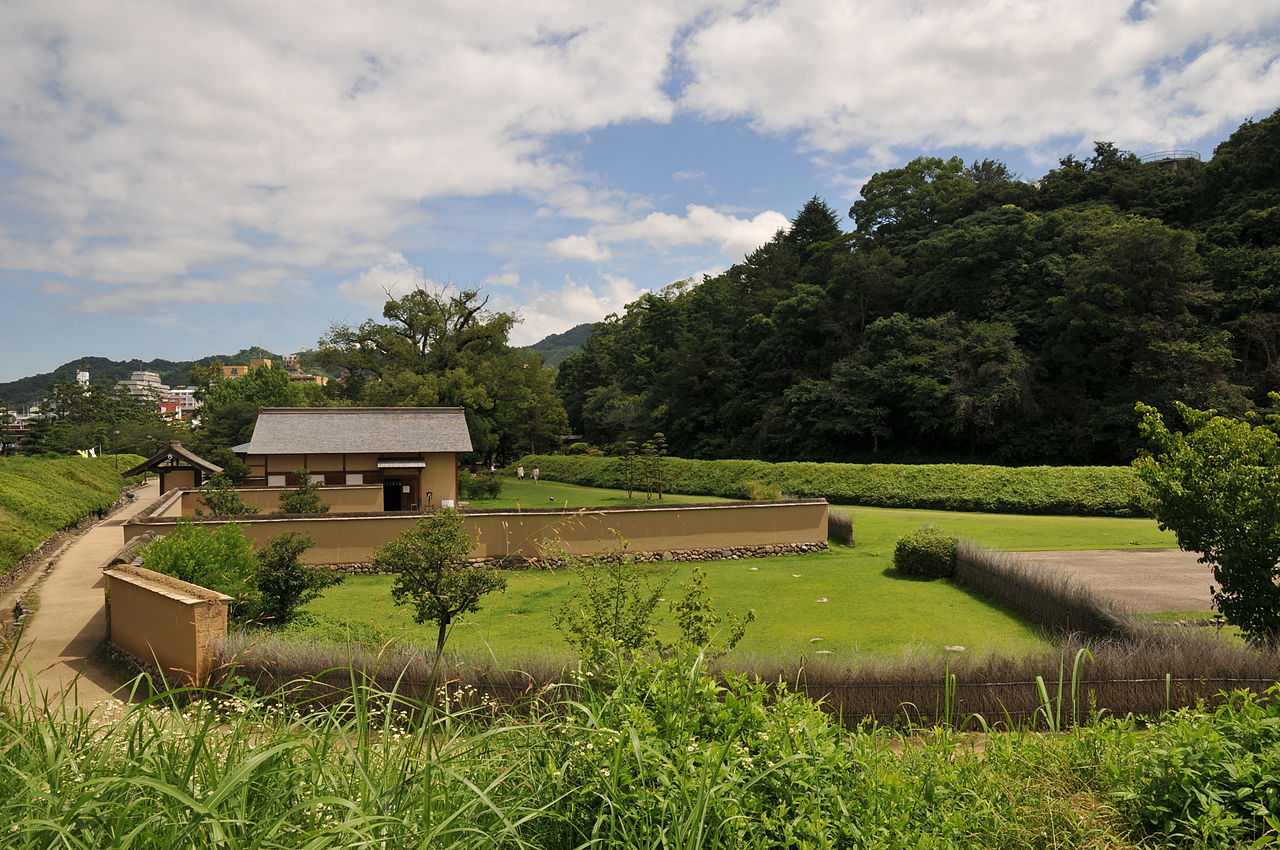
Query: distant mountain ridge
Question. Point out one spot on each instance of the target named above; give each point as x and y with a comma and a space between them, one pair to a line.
27, 391
556, 347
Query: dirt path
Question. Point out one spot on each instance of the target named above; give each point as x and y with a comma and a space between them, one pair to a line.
69, 621
1144, 580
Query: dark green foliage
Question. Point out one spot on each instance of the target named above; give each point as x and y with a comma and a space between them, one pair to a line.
433, 576
1209, 780
611, 616
218, 557
554, 348
283, 582
442, 348
221, 498
928, 554
969, 316
1077, 490
483, 486
38, 496
305, 499
1217, 485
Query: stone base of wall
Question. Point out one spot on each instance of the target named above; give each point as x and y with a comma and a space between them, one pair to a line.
734, 553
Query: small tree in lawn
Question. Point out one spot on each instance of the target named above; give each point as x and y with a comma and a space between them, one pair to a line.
305, 499
651, 454
629, 465
1217, 485
284, 583
433, 576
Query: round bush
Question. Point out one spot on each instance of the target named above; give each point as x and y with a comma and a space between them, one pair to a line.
927, 553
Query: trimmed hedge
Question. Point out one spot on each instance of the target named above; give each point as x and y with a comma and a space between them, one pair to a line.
1063, 490
928, 554
39, 496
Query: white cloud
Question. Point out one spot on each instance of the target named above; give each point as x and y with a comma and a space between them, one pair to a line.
547, 312
160, 142
700, 225
987, 72
391, 278
579, 248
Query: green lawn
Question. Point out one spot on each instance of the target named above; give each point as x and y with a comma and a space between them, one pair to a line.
548, 494
868, 609
881, 527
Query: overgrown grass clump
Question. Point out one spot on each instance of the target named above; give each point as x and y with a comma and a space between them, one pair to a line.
647, 755
39, 496
1061, 490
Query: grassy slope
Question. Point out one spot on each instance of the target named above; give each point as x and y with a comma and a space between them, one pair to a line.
869, 608
38, 496
548, 494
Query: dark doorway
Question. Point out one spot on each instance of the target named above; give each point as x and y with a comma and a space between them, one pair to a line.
391, 494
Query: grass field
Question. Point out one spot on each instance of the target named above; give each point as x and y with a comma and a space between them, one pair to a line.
869, 609
553, 494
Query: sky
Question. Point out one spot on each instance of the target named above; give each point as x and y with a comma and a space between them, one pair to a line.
181, 178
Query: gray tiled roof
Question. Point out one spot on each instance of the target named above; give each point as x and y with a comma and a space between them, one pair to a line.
348, 430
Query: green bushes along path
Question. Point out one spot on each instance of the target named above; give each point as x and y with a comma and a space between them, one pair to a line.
1066, 490
38, 496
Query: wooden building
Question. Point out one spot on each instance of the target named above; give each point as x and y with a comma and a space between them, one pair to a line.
178, 467
411, 451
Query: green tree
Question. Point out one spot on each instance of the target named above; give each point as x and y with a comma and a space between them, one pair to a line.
448, 348
433, 576
1217, 485
221, 497
305, 498
284, 583
230, 410
611, 616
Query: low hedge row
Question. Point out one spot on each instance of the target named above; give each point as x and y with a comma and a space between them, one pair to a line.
39, 496
1062, 490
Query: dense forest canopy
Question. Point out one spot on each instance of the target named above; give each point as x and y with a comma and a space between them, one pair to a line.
969, 315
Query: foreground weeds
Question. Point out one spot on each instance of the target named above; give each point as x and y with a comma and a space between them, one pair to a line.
647, 755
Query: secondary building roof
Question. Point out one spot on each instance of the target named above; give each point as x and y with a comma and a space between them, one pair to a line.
358, 430
175, 454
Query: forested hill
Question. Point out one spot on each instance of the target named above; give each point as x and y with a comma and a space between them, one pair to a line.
26, 391
968, 315
556, 347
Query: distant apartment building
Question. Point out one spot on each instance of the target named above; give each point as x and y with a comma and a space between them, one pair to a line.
145, 385
291, 367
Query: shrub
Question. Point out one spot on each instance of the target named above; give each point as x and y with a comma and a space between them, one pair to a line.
1065, 490
283, 582
222, 498
478, 486
928, 554
758, 491
219, 558
1211, 780
305, 499
840, 527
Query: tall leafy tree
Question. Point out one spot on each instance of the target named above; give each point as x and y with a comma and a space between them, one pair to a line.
444, 348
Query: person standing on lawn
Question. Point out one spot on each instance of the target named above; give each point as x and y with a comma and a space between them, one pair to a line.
520, 473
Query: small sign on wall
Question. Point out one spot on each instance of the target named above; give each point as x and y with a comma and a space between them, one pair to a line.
405, 488
275, 480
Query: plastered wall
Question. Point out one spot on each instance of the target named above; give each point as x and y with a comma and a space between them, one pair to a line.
352, 540
163, 621
341, 500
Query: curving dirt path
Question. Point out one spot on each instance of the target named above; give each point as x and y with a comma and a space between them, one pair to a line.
1143, 580
69, 621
